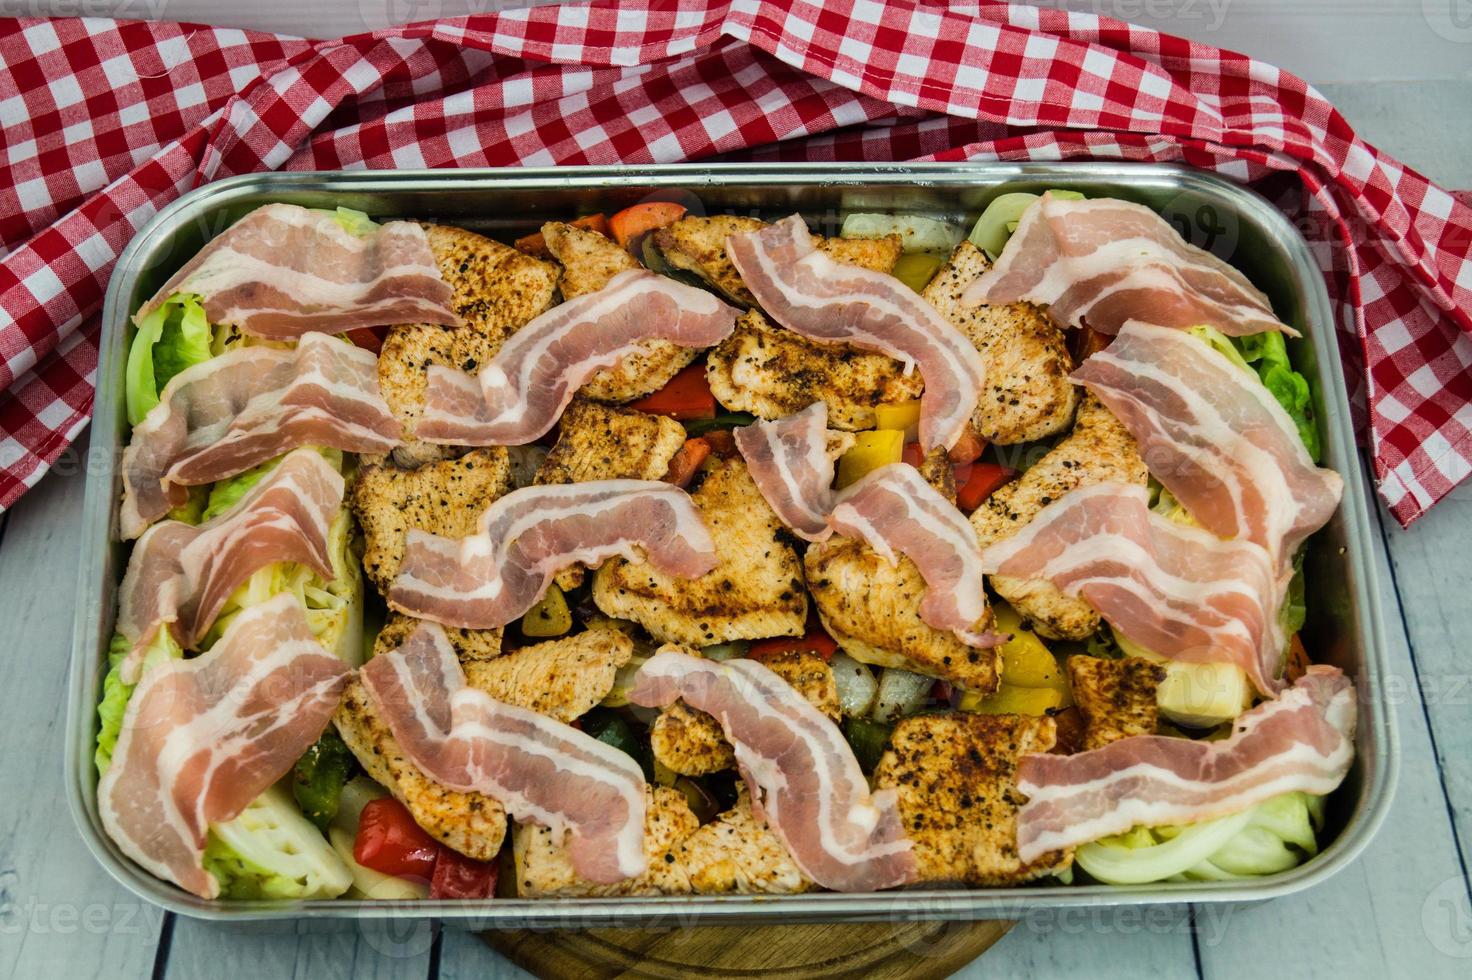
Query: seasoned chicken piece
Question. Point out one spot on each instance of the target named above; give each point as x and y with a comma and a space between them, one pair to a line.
589, 260
936, 469
737, 854
754, 591
1115, 697
1028, 395
872, 608
956, 778
561, 678
597, 442
445, 497
691, 742
544, 869
1096, 451
471, 823
770, 372
698, 245
469, 645
496, 290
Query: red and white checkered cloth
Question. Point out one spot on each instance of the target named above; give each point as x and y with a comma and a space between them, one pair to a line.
103, 122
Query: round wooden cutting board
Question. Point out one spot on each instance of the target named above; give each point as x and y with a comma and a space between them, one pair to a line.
878, 950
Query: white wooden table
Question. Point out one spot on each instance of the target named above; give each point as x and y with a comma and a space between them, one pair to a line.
1403, 910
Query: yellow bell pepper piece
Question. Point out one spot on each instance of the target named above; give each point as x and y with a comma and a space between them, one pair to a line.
1011, 700
899, 415
1026, 660
549, 617
871, 450
916, 269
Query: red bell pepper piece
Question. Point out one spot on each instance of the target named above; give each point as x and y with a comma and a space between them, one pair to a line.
632, 222
977, 481
391, 843
687, 396
457, 876
368, 338
687, 461
912, 454
817, 641
968, 447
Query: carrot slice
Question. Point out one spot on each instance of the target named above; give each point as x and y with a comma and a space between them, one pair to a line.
977, 481
687, 461
536, 246
628, 224
968, 447
912, 454
687, 396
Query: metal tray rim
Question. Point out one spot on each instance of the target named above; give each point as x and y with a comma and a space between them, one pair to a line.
955, 904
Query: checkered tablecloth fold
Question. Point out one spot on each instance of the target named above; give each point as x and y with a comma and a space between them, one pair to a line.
104, 122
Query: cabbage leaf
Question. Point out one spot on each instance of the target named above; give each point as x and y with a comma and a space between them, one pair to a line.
173, 337
116, 693
271, 851
1273, 836
1266, 355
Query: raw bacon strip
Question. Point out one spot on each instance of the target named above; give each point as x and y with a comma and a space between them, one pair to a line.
202, 738
220, 418
1105, 262
803, 777
283, 271
541, 770
791, 462
811, 294
1215, 437
179, 575
1302, 741
894, 509
492, 577
521, 393
1177, 590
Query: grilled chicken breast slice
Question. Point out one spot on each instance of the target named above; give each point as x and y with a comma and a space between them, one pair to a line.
469, 645
1116, 698
544, 869
691, 743
770, 372
495, 290
956, 779
1028, 395
588, 261
444, 497
560, 678
1098, 450
737, 854
471, 823
754, 591
872, 608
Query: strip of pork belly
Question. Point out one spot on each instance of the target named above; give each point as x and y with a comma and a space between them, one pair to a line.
521, 393
808, 292
492, 577
1177, 590
1215, 437
791, 462
283, 271
1303, 741
893, 509
803, 777
202, 738
179, 575
1103, 262
218, 419
541, 770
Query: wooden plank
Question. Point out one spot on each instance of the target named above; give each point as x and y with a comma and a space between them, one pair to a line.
60, 913
1100, 943
1371, 915
390, 949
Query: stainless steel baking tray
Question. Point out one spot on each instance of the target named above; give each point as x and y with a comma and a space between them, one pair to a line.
1345, 619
